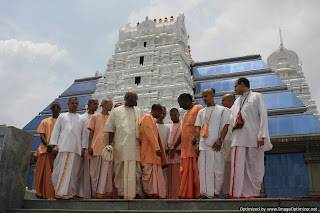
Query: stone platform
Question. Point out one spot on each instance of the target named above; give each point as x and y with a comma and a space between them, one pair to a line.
150, 205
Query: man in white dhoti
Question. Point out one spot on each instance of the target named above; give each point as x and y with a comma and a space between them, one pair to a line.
227, 101
66, 136
83, 180
250, 139
209, 142
123, 126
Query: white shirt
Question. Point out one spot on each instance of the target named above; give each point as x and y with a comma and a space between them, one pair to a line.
85, 118
124, 122
219, 118
254, 114
66, 133
164, 132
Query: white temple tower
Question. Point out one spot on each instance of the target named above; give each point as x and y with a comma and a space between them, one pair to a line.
285, 63
151, 59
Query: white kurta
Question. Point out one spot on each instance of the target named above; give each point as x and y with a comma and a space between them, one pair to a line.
66, 135
164, 132
85, 118
247, 160
254, 114
211, 163
83, 177
125, 123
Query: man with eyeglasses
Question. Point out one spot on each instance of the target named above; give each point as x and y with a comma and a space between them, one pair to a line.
250, 139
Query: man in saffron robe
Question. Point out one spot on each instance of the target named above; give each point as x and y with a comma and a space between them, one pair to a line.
66, 137
83, 182
153, 157
42, 176
123, 127
173, 170
249, 142
100, 170
211, 157
189, 173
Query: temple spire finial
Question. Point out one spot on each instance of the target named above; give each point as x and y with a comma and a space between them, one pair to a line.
281, 41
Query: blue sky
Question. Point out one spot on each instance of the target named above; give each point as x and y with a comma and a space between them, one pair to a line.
45, 45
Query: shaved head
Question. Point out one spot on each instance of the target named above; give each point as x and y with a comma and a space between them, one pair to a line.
209, 91
91, 100
228, 100
106, 101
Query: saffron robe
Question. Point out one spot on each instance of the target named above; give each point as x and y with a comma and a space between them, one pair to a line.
173, 170
152, 177
189, 173
100, 171
43, 172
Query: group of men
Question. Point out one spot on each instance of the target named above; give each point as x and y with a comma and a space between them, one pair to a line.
212, 148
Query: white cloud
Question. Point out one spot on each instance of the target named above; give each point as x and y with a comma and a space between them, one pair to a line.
28, 82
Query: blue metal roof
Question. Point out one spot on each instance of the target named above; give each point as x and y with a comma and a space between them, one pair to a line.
33, 125
83, 100
256, 82
229, 68
279, 100
83, 86
293, 125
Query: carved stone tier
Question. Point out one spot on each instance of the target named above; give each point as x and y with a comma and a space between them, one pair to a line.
151, 59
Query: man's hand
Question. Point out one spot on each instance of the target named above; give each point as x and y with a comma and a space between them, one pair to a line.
179, 151
217, 145
172, 151
55, 149
193, 140
260, 142
90, 151
158, 152
197, 149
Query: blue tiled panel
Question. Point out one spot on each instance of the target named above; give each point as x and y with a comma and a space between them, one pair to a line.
278, 100
79, 87
228, 85
293, 181
36, 142
33, 125
64, 101
30, 178
293, 125
229, 68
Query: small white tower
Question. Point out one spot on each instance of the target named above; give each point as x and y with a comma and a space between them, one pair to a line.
285, 63
151, 59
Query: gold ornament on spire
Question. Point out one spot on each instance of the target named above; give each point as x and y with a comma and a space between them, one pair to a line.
155, 20
165, 19
160, 20
138, 24
171, 18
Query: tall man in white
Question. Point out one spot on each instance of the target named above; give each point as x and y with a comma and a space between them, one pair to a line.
123, 126
211, 153
66, 136
250, 139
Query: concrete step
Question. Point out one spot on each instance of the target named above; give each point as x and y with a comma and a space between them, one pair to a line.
151, 205
118, 211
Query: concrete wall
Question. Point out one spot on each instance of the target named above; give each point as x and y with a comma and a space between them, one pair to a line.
15, 148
